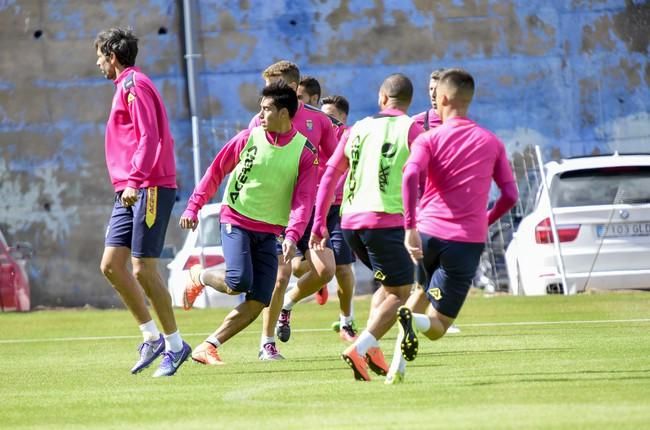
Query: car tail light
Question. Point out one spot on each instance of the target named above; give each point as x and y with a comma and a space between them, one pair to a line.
209, 261
566, 233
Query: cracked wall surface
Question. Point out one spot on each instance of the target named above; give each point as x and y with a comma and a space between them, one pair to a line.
569, 76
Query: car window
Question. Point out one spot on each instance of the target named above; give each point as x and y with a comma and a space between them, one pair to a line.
602, 186
210, 231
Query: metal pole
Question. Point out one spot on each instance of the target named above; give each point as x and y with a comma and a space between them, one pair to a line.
556, 239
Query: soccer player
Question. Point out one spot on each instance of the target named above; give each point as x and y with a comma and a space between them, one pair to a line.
375, 150
309, 91
142, 168
429, 118
270, 189
339, 108
460, 160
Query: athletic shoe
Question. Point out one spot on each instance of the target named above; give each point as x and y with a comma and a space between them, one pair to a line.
322, 295
171, 361
269, 353
453, 329
357, 363
348, 333
149, 351
394, 378
193, 287
376, 361
336, 326
283, 329
207, 354
408, 338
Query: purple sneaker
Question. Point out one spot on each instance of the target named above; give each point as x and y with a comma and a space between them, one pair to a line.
283, 330
149, 351
269, 352
171, 361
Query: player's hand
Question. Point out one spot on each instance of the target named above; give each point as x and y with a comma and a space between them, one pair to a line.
288, 250
318, 242
413, 244
187, 222
129, 197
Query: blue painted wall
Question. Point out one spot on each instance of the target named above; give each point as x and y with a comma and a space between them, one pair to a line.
571, 76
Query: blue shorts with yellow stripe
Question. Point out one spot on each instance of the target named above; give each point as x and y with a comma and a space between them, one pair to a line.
142, 227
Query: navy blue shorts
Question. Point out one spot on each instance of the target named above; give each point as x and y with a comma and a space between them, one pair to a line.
142, 227
251, 262
452, 266
382, 251
342, 252
303, 243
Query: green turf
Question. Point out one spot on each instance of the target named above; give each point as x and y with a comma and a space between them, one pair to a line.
590, 373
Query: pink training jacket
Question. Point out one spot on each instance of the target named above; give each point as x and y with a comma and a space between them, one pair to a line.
338, 195
225, 162
336, 167
139, 146
433, 119
460, 160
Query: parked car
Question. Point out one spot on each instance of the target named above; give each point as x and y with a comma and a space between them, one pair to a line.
14, 282
601, 209
208, 249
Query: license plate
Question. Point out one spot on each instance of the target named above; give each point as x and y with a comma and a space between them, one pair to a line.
623, 229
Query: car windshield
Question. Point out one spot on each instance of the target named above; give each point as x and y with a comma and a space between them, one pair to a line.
210, 231
602, 186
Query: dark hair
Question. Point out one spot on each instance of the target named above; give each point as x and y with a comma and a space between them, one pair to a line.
311, 85
461, 81
398, 87
283, 96
339, 102
119, 41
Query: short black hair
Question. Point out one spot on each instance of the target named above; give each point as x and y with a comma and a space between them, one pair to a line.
311, 86
339, 102
398, 87
119, 41
461, 81
283, 96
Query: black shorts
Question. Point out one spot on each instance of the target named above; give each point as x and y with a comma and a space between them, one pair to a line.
141, 227
382, 251
450, 267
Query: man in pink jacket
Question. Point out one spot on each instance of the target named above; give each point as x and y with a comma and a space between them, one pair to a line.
460, 160
142, 168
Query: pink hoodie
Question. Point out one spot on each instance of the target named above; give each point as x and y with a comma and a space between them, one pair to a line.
139, 145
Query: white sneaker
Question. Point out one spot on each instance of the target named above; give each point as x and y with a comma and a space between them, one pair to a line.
453, 329
269, 353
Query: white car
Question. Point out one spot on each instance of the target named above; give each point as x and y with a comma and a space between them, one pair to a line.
601, 211
193, 251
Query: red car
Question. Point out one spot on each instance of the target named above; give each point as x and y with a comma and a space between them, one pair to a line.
14, 283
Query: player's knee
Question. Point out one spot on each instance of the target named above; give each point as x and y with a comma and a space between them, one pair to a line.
240, 282
109, 268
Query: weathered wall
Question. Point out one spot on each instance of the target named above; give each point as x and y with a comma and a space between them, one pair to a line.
570, 76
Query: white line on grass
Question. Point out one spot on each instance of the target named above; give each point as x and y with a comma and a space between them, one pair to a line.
310, 330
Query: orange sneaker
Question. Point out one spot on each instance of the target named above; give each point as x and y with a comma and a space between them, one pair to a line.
357, 363
193, 287
207, 354
376, 361
322, 295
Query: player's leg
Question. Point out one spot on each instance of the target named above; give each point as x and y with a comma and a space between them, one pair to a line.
392, 266
114, 266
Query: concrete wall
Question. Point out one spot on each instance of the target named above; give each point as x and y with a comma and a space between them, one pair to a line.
571, 76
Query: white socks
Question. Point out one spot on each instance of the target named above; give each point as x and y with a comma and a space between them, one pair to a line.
149, 331
398, 363
266, 339
364, 342
173, 342
345, 320
421, 322
288, 303
201, 278
214, 341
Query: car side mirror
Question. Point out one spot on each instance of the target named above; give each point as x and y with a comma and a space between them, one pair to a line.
168, 252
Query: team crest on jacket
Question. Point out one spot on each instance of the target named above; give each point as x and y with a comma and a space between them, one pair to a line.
309, 124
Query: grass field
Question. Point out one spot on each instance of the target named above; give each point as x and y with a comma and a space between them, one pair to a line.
554, 362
